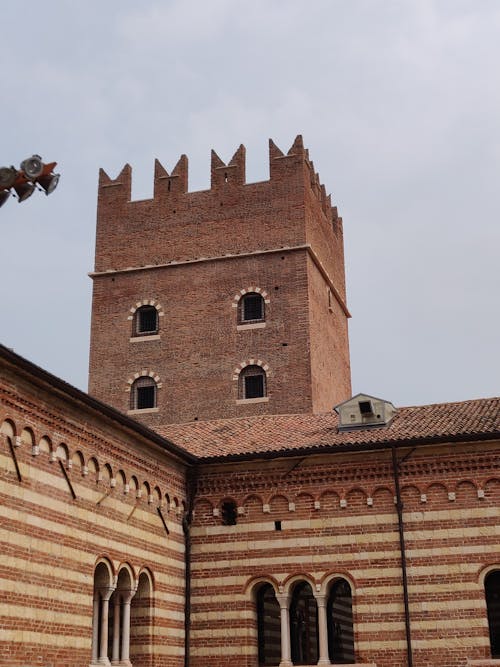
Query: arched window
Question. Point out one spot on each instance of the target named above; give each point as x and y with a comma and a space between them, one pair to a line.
252, 382
145, 321
340, 626
251, 308
492, 591
268, 626
143, 393
101, 636
304, 625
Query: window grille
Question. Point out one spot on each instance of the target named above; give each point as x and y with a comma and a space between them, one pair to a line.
145, 321
143, 394
251, 308
252, 382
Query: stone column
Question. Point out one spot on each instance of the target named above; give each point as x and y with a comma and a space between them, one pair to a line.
115, 658
95, 628
284, 601
324, 658
127, 598
106, 593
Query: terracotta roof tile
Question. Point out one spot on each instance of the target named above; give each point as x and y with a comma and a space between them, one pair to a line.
270, 434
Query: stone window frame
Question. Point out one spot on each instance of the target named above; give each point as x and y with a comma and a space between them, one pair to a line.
138, 338
130, 384
241, 400
242, 325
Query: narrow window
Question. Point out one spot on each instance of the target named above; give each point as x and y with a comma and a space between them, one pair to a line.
252, 382
268, 626
251, 308
143, 394
492, 590
340, 625
145, 321
229, 513
304, 625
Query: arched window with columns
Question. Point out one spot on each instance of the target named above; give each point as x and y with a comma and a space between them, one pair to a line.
303, 625
103, 590
268, 626
111, 615
340, 625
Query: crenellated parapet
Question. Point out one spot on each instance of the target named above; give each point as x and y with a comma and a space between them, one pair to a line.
295, 163
230, 218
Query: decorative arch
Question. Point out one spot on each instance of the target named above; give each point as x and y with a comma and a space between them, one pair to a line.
293, 579
250, 290
8, 428
251, 362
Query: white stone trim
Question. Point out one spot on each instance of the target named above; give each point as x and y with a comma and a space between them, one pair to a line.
261, 399
255, 325
144, 373
142, 339
250, 290
146, 302
251, 362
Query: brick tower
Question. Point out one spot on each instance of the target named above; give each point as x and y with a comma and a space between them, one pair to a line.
228, 302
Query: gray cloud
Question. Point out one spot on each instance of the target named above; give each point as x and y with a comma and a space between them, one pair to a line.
398, 102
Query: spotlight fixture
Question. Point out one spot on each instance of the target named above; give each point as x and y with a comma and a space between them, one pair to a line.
23, 188
8, 176
4, 195
32, 167
32, 172
47, 179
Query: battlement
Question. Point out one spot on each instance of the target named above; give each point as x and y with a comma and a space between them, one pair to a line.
232, 217
223, 175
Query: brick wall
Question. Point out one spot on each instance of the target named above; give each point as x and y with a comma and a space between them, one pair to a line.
50, 542
201, 250
338, 519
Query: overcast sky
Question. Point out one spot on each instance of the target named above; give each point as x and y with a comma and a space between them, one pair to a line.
398, 103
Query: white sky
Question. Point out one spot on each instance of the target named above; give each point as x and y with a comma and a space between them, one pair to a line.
398, 102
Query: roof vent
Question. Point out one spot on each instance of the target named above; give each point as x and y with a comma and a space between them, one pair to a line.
364, 411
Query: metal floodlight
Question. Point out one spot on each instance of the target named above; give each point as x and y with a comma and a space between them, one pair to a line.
32, 167
8, 177
4, 195
24, 181
23, 188
49, 182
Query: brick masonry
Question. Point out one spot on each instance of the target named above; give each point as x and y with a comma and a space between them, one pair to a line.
191, 252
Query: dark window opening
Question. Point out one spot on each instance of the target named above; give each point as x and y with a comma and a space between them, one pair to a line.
340, 625
251, 308
145, 321
492, 590
229, 513
277, 525
304, 626
254, 386
252, 382
143, 394
268, 627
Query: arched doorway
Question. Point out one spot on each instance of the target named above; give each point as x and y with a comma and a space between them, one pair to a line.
340, 625
303, 625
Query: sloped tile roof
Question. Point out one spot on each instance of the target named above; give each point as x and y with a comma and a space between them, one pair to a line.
274, 434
